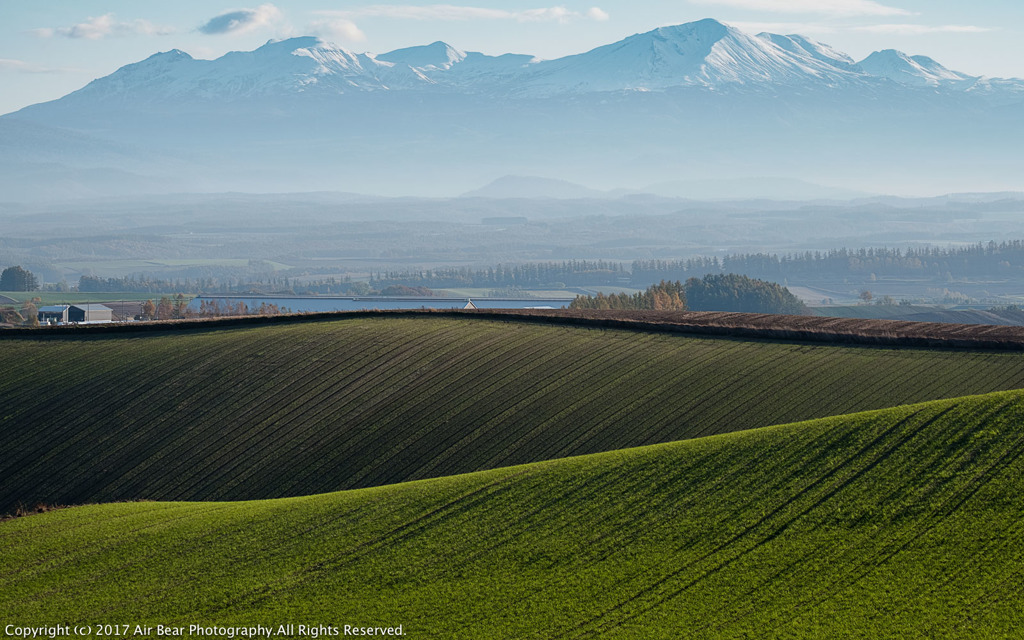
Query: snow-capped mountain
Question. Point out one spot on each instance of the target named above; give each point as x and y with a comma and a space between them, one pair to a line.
802, 47
706, 54
289, 66
918, 71
691, 102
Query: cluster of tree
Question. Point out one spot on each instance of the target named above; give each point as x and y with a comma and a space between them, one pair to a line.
263, 286
534, 274
166, 309
664, 296
732, 292
980, 260
214, 309
136, 284
144, 284
18, 279
717, 292
177, 308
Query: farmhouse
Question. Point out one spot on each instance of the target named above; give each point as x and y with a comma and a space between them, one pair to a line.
64, 313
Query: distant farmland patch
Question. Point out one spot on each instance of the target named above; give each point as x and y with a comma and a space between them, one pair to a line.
290, 409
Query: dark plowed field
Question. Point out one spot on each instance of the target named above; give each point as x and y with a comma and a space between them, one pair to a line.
298, 408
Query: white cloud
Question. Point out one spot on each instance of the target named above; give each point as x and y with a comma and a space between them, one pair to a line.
802, 28
337, 29
448, 12
21, 66
921, 29
97, 28
805, 28
242, 20
825, 7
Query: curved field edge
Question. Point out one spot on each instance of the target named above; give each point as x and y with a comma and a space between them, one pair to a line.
904, 522
303, 408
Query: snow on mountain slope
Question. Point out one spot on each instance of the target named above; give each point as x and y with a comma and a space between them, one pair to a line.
801, 46
473, 72
917, 71
438, 55
286, 66
705, 53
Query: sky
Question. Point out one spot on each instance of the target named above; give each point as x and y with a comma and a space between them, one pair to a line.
49, 48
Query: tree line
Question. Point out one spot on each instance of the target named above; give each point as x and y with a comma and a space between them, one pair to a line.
980, 260
992, 259
534, 274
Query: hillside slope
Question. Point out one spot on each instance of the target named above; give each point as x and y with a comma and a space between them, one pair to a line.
905, 523
296, 409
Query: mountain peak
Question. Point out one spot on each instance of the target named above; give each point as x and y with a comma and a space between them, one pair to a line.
706, 53
174, 55
706, 29
439, 55
920, 71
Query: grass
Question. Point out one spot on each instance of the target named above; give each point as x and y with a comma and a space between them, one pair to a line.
296, 409
900, 523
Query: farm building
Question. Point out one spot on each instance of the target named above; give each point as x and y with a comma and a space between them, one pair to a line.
53, 314
64, 313
90, 313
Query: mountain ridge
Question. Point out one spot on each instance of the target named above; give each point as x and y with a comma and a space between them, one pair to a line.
694, 102
706, 53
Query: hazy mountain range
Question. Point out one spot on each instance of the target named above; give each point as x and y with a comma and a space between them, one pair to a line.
686, 104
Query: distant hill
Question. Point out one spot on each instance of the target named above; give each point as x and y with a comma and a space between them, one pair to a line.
902, 523
534, 187
249, 411
767, 188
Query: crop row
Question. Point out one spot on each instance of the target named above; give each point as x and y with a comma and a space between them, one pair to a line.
904, 522
295, 409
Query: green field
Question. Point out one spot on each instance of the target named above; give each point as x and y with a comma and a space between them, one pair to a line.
901, 523
303, 408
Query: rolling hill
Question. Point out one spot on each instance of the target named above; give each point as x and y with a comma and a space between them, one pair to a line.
904, 522
297, 408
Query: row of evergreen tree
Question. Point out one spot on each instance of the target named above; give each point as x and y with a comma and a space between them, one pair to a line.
18, 279
980, 260
991, 259
534, 274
